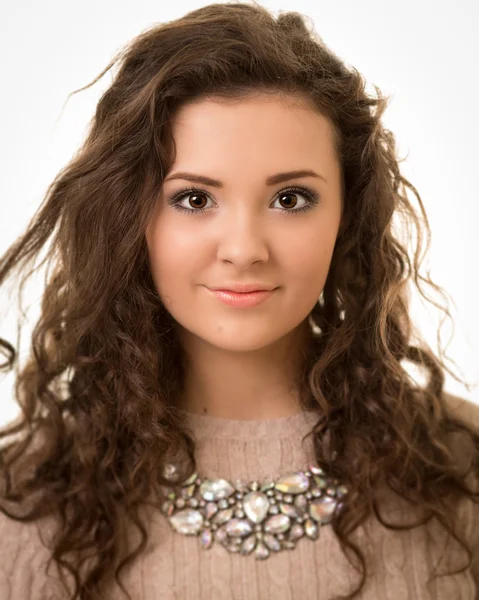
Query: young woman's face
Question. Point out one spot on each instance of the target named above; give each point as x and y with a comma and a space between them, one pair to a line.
250, 230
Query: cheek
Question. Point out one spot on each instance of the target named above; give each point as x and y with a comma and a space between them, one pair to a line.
172, 258
172, 237
307, 256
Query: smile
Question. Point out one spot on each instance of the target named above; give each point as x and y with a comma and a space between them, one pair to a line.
242, 300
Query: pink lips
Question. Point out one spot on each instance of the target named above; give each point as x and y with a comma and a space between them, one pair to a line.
242, 300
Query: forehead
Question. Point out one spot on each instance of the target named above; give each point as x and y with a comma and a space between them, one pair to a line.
262, 128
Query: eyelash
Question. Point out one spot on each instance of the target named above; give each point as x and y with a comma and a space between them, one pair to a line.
311, 195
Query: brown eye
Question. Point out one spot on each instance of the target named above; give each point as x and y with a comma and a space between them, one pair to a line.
310, 195
187, 194
288, 195
196, 195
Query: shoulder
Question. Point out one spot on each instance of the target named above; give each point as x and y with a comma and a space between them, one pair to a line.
468, 412
462, 409
23, 557
461, 443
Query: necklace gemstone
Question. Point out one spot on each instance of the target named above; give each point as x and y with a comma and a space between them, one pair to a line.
187, 521
296, 483
256, 506
258, 518
216, 489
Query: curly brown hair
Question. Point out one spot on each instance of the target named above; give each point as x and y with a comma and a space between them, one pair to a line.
94, 454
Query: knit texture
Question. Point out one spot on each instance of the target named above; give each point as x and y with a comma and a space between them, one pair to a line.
174, 566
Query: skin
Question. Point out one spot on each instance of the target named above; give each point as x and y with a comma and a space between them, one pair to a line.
242, 362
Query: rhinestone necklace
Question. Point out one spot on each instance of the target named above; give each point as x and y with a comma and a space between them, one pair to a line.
252, 518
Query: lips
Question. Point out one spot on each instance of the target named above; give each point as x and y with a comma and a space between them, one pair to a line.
243, 288
242, 299
236, 291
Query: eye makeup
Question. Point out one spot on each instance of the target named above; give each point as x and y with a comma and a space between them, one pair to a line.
311, 196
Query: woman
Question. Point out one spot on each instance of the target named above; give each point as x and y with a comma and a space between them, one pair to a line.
229, 311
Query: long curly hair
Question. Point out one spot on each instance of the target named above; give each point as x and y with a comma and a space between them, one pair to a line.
97, 394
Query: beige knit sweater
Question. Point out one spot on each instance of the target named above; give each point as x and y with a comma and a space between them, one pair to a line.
174, 566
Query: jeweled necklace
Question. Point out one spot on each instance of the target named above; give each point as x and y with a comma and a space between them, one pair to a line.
259, 518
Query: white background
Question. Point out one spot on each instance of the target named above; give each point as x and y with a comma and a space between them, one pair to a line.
424, 54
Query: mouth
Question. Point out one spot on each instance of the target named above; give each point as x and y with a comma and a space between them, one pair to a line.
242, 299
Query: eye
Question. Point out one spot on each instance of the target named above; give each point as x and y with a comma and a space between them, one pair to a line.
311, 196
294, 194
187, 194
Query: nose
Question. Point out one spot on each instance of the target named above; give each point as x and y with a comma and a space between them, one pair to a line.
243, 240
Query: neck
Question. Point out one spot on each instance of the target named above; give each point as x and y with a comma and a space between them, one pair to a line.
259, 384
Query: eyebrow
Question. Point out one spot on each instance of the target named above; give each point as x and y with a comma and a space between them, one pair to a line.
271, 180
